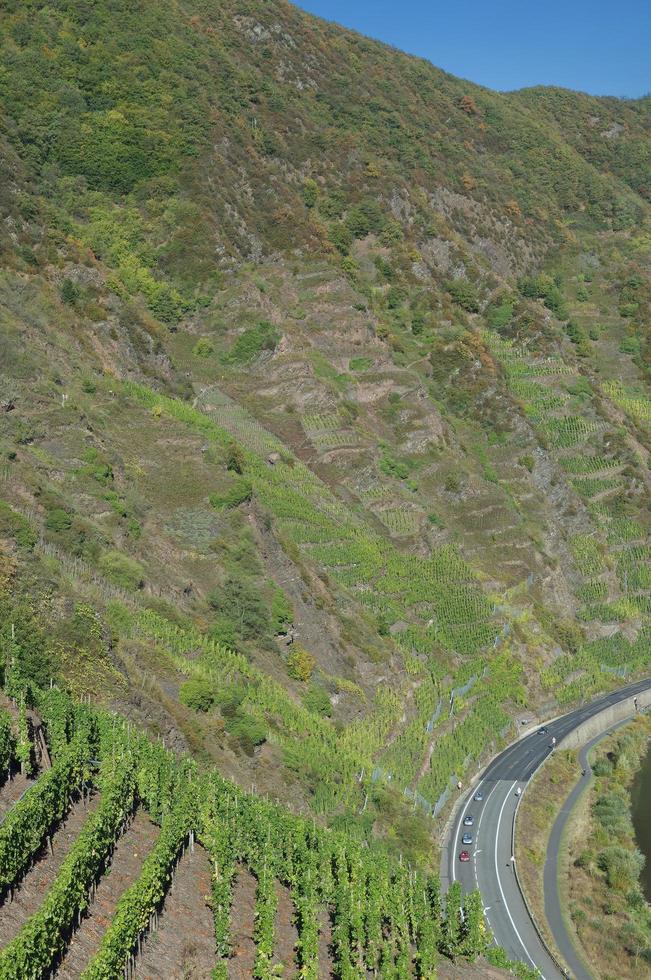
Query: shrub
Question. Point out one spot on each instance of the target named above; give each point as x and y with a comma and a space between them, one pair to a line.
238, 600
252, 342
70, 292
235, 459
364, 218
500, 314
58, 520
88, 386
300, 663
317, 700
197, 695
310, 193
621, 867
359, 363
223, 631
282, 613
341, 237
248, 731
203, 347
237, 494
394, 467
464, 293
122, 570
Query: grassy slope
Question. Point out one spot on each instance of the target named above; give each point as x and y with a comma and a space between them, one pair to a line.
429, 520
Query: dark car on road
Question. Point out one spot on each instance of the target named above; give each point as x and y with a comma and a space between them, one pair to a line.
479, 796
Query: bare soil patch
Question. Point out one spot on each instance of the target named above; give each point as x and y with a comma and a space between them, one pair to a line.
129, 853
183, 946
34, 886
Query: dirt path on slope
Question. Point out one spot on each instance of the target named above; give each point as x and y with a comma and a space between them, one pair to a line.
34, 886
126, 863
183, 946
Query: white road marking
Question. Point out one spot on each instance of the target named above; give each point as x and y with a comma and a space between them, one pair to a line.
499, 881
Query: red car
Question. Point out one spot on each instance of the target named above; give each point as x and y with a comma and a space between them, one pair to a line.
464, 856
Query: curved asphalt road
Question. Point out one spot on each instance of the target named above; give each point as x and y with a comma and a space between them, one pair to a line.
490, 867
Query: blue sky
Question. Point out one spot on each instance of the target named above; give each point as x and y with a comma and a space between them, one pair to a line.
599, 47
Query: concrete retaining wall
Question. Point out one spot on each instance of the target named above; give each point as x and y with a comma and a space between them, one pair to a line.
600, 722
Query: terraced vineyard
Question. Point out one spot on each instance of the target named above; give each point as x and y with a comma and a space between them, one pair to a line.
122, 858
611, 554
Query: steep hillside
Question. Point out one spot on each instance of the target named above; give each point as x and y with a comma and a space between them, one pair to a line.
325, 418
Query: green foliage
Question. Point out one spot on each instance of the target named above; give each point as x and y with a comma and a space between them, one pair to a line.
499, 314
364, 218
464, 293
394, 467
138, 903
14, 525
237, 493
543, 287
7, 743
25, 827
235, 458
203, 347
58, 520
310, 193
252, 342
44, 935
341, 237
247, 730
122, 570
70, 292
316, 699
282, 614
197, 694
300, 663
239, 601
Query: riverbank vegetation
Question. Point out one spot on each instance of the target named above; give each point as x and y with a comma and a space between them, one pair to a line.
609, 915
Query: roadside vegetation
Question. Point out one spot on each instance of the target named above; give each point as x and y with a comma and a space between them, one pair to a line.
609, 914
609, 919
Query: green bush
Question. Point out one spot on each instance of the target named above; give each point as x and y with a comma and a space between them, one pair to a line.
341, 237
317, 700
310, 192
237, 494
364, 218
239, 601
203, 347
70, 292
500, 314
393, 467
122, 570
58, 520
621, 867
282, 613
300, 663
360, 363
252, 342
247, 730
235, 458
464, 293
15, 525
223, 631
197, 695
